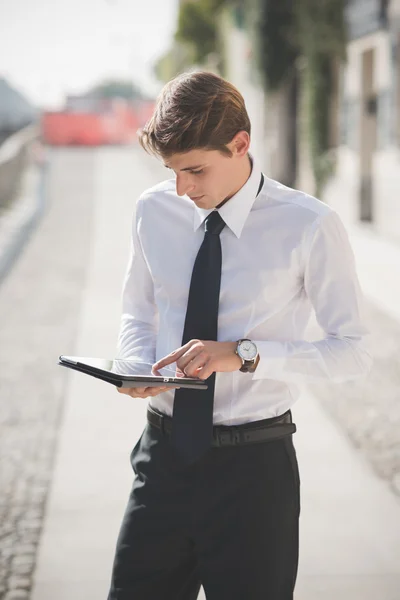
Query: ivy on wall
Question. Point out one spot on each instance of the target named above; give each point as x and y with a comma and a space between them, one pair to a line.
321, 31
315, 31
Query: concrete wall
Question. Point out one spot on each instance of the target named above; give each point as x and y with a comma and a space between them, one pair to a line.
343, 191
13, 154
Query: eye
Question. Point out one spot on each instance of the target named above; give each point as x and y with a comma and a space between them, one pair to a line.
199, 172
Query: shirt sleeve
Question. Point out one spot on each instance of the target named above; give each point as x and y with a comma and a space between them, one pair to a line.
331, 283
139, 321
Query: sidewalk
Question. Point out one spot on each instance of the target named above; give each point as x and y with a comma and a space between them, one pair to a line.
378, 264
350, 521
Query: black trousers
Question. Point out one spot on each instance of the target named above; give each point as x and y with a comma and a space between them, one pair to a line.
228, 522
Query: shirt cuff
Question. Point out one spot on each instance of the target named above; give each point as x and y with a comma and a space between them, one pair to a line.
272, 360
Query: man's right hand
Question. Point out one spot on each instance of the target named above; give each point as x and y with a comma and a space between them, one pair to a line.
144, 392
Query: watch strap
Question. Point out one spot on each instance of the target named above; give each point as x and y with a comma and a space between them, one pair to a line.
249, 366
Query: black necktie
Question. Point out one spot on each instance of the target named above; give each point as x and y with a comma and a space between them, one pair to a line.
193, 409
192, 422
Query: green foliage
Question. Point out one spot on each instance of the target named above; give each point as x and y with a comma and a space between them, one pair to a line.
286, 30
176, 60
318, 82
276, 49
320, 26
321, 33
198, 26
196, 37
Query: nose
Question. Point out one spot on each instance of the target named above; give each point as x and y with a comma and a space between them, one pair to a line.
183, 185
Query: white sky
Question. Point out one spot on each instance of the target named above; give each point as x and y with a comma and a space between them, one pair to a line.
52, 47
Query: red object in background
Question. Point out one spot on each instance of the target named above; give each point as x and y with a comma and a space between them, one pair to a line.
63, 129
94, 123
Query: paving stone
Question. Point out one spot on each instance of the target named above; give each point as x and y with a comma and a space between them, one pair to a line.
26, 549
23, 559
22, 568
32, 525
8, 552
20, 583
17, 595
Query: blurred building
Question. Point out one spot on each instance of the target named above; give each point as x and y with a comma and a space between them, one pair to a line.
364, 116
367, 177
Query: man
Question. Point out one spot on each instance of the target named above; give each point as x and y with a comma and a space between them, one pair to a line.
226, 267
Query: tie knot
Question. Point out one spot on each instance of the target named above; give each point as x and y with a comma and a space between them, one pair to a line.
214, 223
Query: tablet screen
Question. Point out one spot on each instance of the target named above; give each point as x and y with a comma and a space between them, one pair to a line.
123, 366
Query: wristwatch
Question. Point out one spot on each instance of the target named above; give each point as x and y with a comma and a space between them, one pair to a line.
247, 351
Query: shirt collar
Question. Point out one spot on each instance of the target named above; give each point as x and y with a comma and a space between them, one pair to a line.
236, 210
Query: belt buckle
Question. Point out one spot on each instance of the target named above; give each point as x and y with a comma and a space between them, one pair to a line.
235, 435
221, 438
231, 437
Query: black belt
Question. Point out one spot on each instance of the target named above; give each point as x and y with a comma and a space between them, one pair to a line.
233, 435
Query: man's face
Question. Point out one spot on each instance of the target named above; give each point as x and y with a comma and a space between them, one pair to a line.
206, 176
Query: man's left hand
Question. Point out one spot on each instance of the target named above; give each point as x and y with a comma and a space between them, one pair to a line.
201, 359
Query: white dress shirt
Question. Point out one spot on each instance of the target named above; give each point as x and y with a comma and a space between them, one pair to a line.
284, 253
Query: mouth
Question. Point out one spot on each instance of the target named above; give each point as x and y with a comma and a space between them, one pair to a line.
197, 199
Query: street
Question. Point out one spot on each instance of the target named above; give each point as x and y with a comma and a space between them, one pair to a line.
65, 439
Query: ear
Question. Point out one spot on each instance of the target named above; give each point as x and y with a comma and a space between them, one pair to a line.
240, 144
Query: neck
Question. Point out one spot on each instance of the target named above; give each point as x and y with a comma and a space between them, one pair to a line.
242, 178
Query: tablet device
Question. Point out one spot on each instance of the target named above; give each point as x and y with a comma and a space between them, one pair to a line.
129, 373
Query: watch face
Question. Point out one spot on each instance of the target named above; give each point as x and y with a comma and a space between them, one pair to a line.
247, 350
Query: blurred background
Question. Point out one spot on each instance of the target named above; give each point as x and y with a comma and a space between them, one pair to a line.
321, 81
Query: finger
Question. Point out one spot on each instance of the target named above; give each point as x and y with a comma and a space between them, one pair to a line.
137, 392
145, 392
179, 372
194, 356
172, 357
167, 360
154, 391
197, 362
206, 371
123, 390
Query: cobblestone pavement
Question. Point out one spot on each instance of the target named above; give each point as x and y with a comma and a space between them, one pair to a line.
369, 411
39, 310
